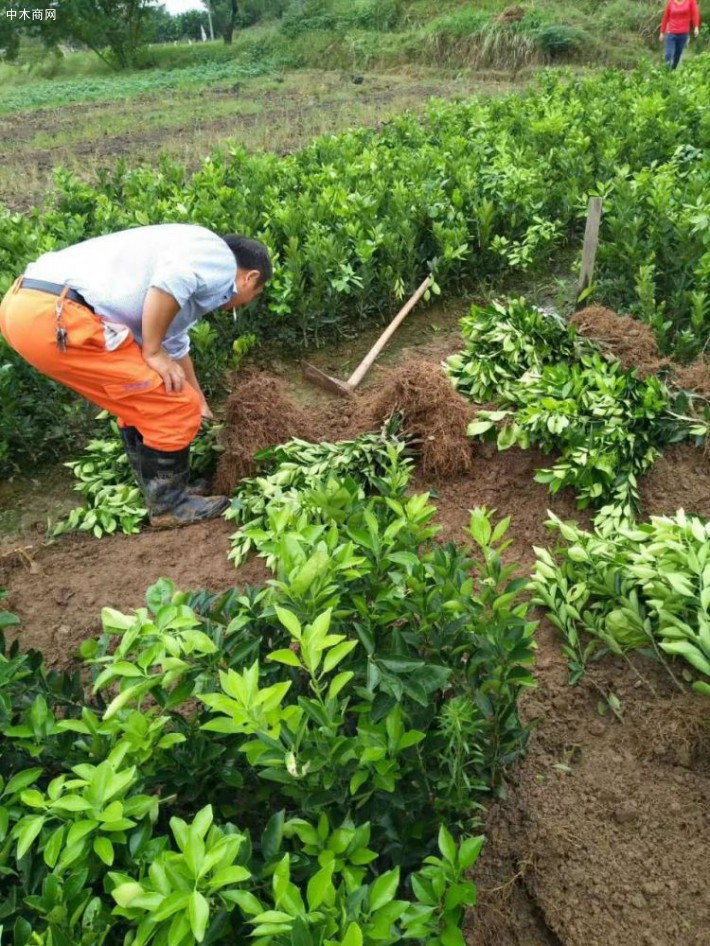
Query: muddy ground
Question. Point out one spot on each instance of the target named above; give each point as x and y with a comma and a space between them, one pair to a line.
602, 839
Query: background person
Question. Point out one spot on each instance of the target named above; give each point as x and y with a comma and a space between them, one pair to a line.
109, 318
678, 19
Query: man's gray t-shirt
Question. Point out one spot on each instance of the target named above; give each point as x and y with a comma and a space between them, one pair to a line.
114, 273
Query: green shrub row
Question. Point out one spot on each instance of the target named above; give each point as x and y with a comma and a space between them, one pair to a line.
644, 587
557, 392
299, 764
473, 190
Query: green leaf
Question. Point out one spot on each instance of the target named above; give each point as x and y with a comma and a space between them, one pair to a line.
199, 913
447, 845
336, 654
72, 803
114, 621
53, 847
21, 933
124, 894
245, 900
478, 427
79, 830
26, 832
289, 621
469, 851
452, 936
273, 835
104, 849
320, 887
169, 906
33, 799
125, 697
202, 821
384, 889
285, 657
353, 936
22, 780
228, 876
480, 527
338, 682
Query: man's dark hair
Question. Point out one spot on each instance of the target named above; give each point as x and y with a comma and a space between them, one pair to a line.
250, 254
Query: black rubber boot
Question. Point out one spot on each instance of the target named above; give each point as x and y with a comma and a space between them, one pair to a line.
132, 441
163, 478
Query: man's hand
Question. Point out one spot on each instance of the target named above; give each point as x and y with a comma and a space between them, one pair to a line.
170, 371
207, 412
661, 37
696, 32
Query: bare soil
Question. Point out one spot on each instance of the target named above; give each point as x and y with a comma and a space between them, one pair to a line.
58, 590
680, 479
602, 839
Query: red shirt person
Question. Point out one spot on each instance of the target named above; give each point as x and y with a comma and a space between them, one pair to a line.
679, 17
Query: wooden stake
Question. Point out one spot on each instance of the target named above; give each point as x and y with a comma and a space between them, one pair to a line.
589, 251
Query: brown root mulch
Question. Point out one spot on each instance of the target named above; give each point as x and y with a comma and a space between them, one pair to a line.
631, 342
634, 345
260, 414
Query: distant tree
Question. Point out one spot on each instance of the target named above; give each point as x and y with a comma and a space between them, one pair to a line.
189, 24
21, 20
224, 17
10, 33
114, 29
231, 22
162, 27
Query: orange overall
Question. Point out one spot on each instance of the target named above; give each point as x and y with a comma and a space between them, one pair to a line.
117, 380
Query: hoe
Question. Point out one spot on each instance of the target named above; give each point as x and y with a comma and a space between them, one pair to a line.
347, 388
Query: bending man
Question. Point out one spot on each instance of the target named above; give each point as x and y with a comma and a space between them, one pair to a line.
109, 318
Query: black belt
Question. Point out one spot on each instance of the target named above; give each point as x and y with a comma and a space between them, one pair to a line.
55, 289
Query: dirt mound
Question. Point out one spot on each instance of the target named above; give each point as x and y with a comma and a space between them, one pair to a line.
631, 342
258, 414
680, 479
634, 345
604, 829
435, 416
512, 15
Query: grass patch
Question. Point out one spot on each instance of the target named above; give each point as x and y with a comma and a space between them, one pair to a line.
266, 113
351, 35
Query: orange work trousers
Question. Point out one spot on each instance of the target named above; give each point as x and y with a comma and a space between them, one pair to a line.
118, 381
